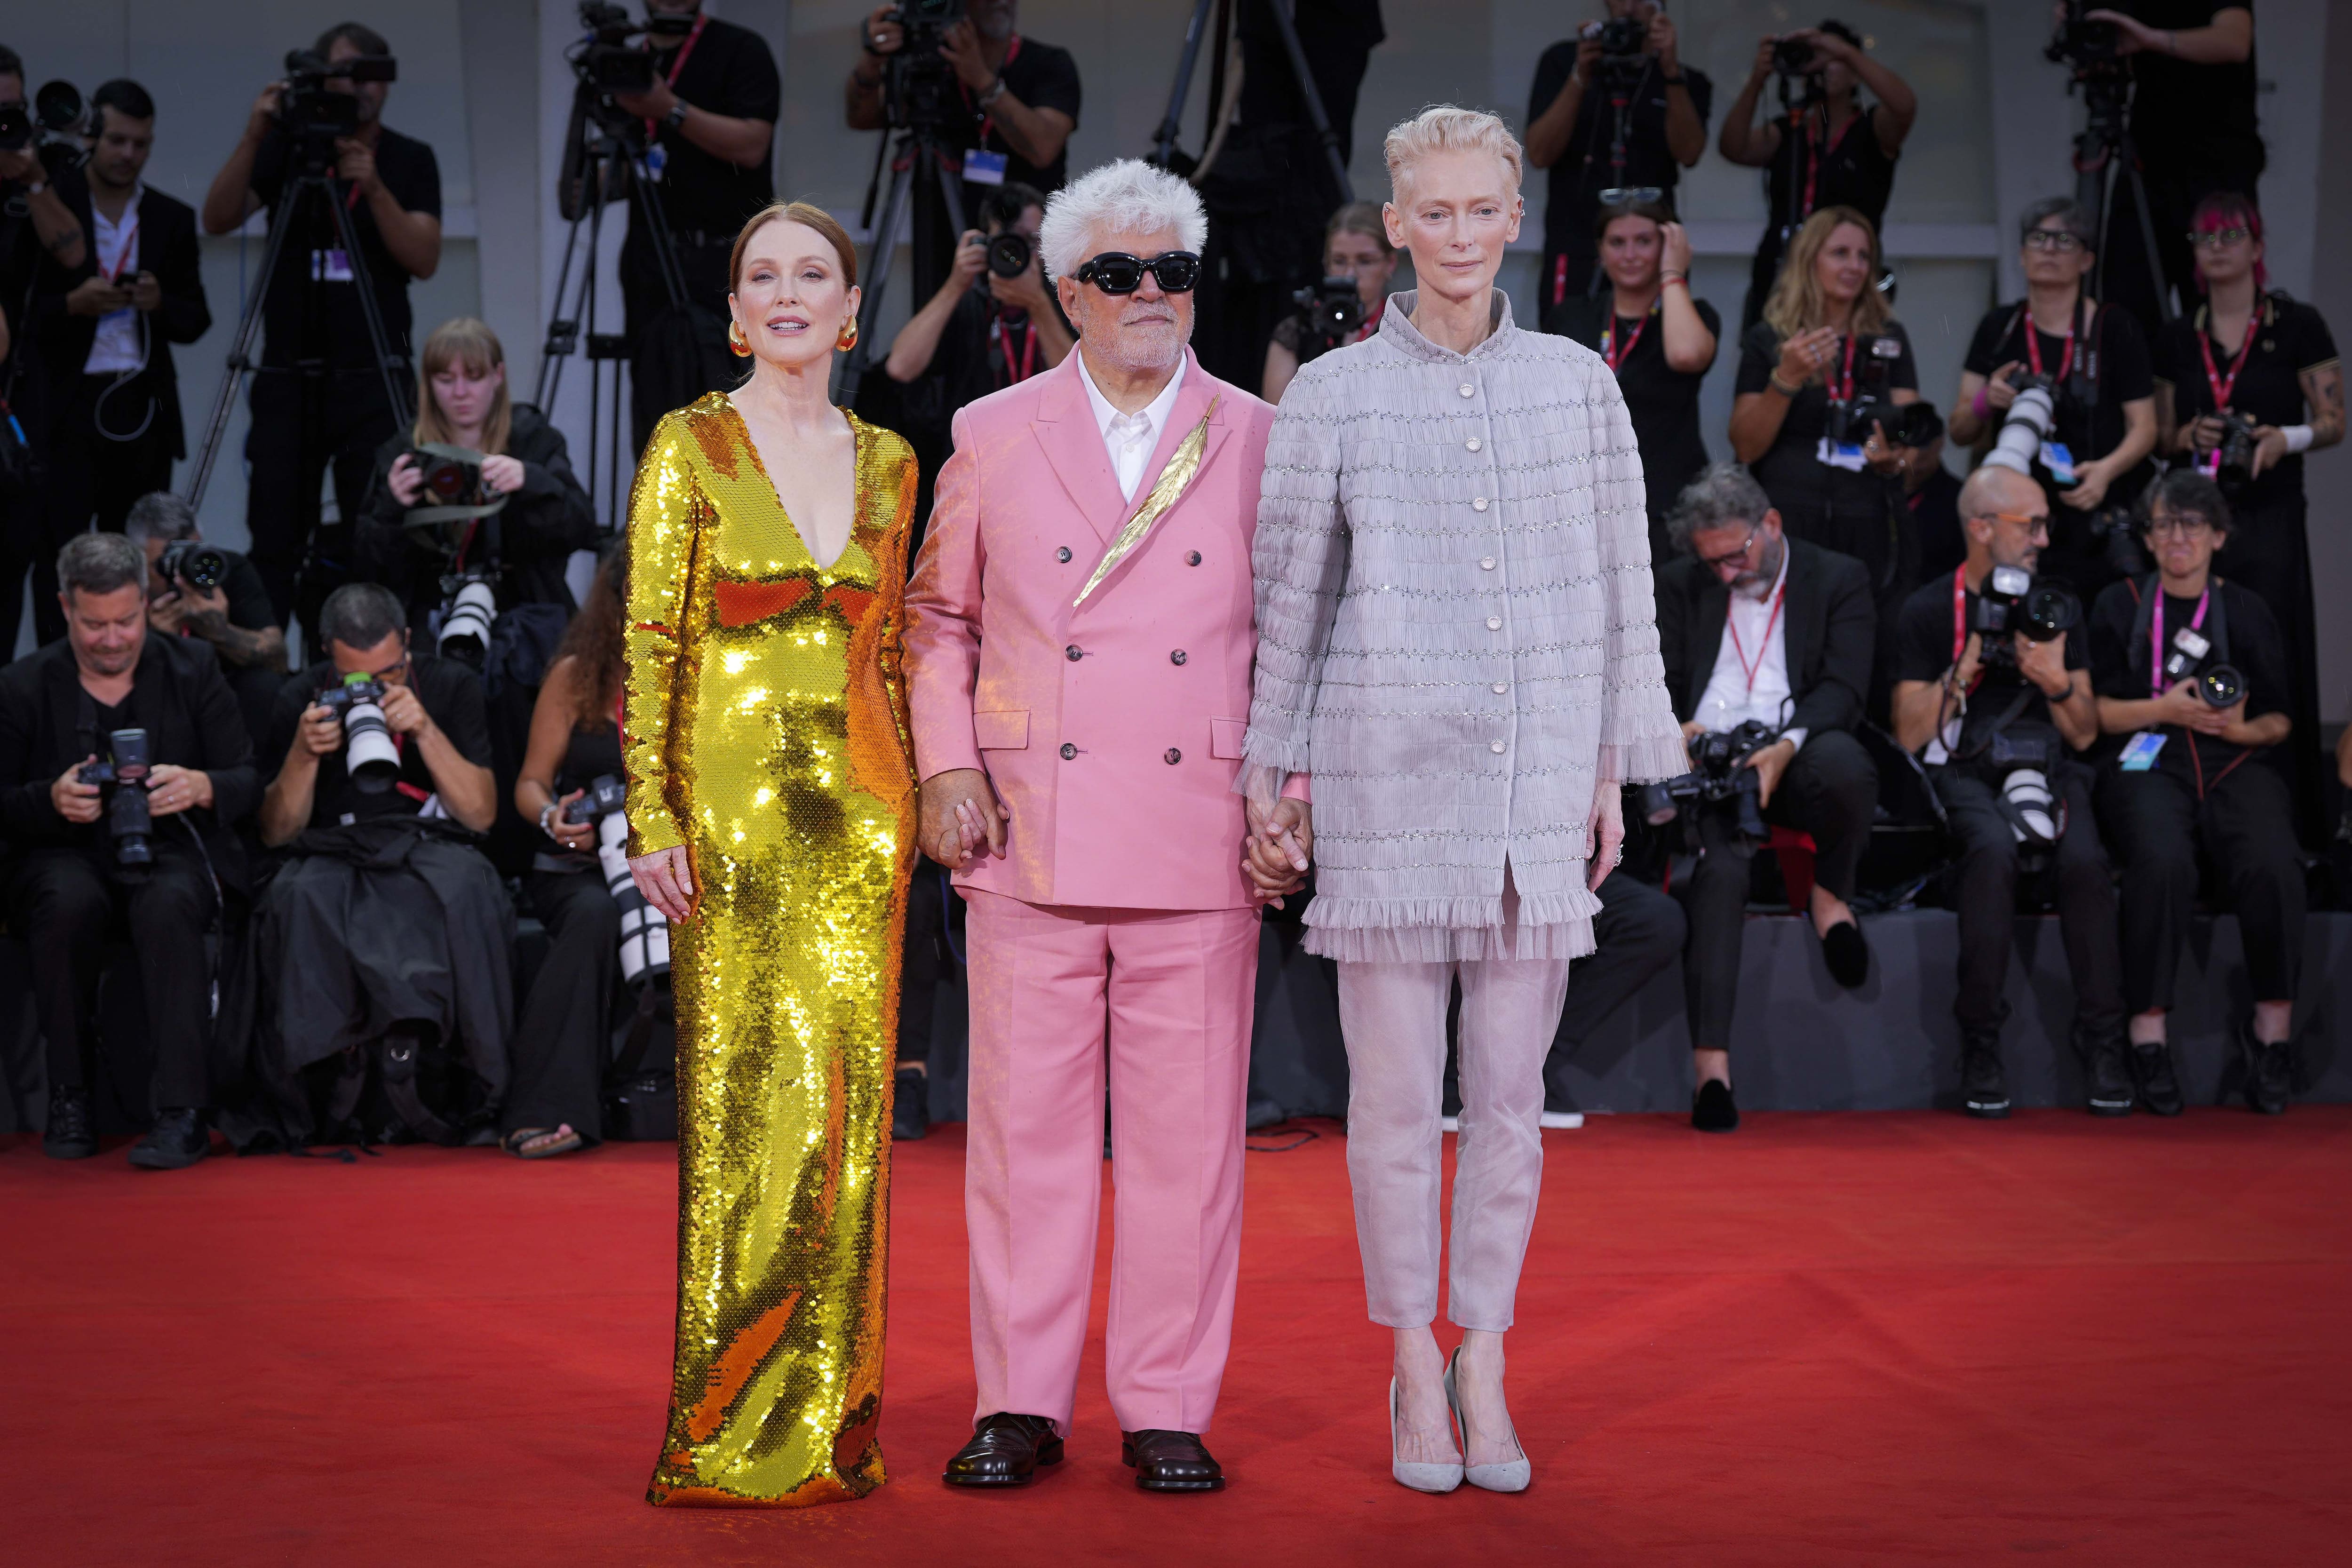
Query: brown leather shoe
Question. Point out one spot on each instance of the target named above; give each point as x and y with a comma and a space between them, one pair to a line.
1005, 1450
1170, 1461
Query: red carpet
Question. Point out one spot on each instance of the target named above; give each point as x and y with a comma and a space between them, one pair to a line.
1826, 1339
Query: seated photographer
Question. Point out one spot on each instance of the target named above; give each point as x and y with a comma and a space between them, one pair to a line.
1931, 490
968, 340
384, 937
2246, 385
493, 452
1613, 114
1819, 377
1355, 247
198, 589
1658, 339
2192, 669
2091, 452
1018, 99
1825, 148
1991, 686
143, 854
1766, 643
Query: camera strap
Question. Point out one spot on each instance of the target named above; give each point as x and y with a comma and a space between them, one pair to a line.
652, 127
1960, 620
2034, 340
2222, 386
2151, 607
1844, 390
1818, 150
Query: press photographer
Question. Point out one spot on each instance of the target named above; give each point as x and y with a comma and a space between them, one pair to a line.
1992, 688
1616, 117
319, 396
123, 769
1931, 493
707, 98
2245, 386
993, 323
1766, 643
2088, 440
1825, 148
2192, 668
1658, 339
35, 221
108, 326
1358, 263
386, 935
199, 590
479, 490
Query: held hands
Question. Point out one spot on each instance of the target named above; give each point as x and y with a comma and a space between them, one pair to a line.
1770, 764
72, 799
1605, 831
959, 813
1278, 849
667, 879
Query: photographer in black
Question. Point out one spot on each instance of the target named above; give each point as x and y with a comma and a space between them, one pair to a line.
1355, 251
199, 590
1766, 643
318, 398
993, 323
1931, 493
474, 442
1825, 148
2191, 668
1613, 112
2194, 123
385, 935
108, 326
2092, 458
709, 120
35, 221
1991, 686
2246, 385
123, 769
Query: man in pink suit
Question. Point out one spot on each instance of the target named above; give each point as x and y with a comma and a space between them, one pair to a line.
1078, 654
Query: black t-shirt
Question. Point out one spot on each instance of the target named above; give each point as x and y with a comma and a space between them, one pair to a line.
2247, 637
303, 321
2106, 368
729, 70
1040, 76
2180, 103
2290, 337
1851, 171
452, 696
1585, 170
249, 608
1792, 471
1935, 522
1663, 400
979, 351
1923, 651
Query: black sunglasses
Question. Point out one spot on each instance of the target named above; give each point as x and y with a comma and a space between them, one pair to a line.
1116, 273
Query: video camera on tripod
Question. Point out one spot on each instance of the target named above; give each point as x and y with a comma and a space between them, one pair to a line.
121, 777
919, 86
1719, 773
313, 113
613, 57
644, 930
2090, 49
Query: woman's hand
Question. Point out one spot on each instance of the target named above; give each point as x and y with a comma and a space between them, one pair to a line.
1803, 355
1998, 391
667, 880
1673, 243
2202, 434
1605, 831
1882, 456
501, 475
2270, 450
571, 835
2090, 486
407, 480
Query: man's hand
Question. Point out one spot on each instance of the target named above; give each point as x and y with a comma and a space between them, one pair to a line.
1587, 56
172, 789
1664, 40
2220, 723
1880, 455
1025, 292
2180, 704
355, 164
960, 813
264, 113
666, 878
146, 292
2132, 35
403, 713
74, 800
961, 47
654, 103
94, 296
2090, 486
2044, 664
407, 480
320, 734
203, 611
970, 261
1279, 849
166, 614
1605, 831
1826, 47
2269, 450
1761, 70
22, 165
502, 474
1770, 763
884, 36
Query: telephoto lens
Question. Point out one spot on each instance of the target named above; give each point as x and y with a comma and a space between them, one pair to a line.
2035, 817
2222, 686
1011, 254
2019, 445
193, 565
644, 930
370, 757
466, 620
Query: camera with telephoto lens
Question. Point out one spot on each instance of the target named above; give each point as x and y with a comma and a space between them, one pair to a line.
468, 604
121, 777
1011, 254
644, 930
1329, 314
54, 124
314, 115
2014, 600
370, 757
188, 563
2221, 685
2030, 418
449, 481
1719, 771
919, 86
2021, 759
1913, 425
610, 58
2233, 458
1849, 420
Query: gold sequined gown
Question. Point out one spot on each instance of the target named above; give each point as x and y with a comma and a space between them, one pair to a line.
766, 732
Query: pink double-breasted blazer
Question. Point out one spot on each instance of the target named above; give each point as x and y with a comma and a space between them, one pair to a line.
1112, 732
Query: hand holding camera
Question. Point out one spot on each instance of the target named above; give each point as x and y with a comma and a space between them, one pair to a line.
571, 833
73, 797
1015, 277
355, 166
172, 789
2043, 663
1770, 763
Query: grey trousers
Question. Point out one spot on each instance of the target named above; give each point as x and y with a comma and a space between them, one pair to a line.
1393, 1016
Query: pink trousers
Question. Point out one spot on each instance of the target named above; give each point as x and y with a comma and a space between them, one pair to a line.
1175, 990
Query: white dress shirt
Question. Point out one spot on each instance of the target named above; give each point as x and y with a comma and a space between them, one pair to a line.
114, 348
1754, 634
1130, 438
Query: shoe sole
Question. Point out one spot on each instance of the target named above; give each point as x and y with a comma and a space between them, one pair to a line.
2111, 1108
1988, 1110
163, 1161
69, 1150
1044, 1459
1144, 1486
2172, 1109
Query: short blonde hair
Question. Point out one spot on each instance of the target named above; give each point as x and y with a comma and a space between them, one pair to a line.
1446, 128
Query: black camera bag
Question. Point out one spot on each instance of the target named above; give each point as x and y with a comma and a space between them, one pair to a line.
641, 1086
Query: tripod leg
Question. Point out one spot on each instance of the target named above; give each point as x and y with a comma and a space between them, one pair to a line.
2129, 159
1164, 139
240, 347
1308, 93
884, 256
364, 287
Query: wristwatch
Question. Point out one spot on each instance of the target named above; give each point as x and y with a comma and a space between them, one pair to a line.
676, 118
990, 94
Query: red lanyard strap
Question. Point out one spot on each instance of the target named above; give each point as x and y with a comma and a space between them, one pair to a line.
1960, 619
653, 127
2155, 635
1608, 350
1732, 624
1027, 365
2034, 340
1845, 394
2221, 388
121, 254
1814, 154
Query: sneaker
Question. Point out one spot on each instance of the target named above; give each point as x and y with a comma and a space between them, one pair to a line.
910, 1105
2151, 1071
1984, 1092
69, 1134
178, 1139
2103, 1064
2270, 1072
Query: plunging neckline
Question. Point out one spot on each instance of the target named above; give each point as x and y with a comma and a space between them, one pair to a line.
752, 445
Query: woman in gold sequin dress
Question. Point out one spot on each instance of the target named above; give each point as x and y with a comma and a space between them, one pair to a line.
771, 804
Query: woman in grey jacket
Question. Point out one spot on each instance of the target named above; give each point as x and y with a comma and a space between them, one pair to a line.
1457, 643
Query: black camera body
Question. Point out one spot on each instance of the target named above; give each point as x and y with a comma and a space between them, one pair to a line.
1011, 254
190, 563
1329, 314
1620, 38
2233, 459
1719, 773
1912, 424
2014, 600
2088, 49
919, 86
2219, 683
315, 116
54, 124
1849, 421
1794, 58
604, 796
449, 481
371, 757
337, 699
121, 777
610, 59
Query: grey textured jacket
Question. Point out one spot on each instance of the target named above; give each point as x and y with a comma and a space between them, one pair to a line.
1456, 636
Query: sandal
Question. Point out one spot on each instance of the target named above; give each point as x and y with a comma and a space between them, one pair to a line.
557, 1141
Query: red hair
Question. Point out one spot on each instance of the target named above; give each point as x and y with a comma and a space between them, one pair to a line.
2228, 209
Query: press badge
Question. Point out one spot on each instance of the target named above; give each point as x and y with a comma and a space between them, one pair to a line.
2059, 461
982, 167
1841, 455
656, 159
330, 266
2139, 751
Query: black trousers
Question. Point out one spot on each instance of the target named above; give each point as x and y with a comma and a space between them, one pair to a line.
1985, 893
26, 551
2269, 554
563, 1038
303, 427
2157, 824
1829, 791
66, 902
93, 474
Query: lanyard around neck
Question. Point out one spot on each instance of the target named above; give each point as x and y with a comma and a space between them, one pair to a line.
2156, 632
2221, 387
1764, 643
2034, 339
